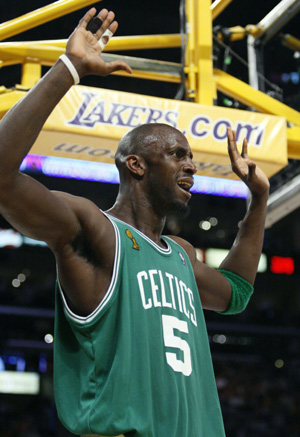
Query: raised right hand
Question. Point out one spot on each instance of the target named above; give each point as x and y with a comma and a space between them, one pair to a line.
84, 50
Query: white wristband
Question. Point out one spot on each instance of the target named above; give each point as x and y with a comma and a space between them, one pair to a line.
71, 68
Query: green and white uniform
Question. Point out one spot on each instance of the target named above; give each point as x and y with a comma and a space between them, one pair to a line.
140, 364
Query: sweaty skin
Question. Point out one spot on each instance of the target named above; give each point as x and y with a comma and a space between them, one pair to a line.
156, 172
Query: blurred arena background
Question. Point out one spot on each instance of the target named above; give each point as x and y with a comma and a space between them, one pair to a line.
257, 353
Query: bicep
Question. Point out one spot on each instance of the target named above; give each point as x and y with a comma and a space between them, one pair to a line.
214, 288
37, 212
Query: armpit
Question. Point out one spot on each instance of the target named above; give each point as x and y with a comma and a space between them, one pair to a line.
82, 248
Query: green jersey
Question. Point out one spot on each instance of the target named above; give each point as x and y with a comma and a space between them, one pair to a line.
140, 364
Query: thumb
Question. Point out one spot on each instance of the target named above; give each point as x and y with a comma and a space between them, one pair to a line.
252, 168
118, 65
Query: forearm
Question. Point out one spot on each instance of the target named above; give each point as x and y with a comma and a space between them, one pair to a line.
22, 124
244, 255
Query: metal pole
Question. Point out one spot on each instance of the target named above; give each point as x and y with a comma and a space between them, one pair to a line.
218, 6
252, 69
40, 16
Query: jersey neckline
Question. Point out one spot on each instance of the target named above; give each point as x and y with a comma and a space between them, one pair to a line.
165, 251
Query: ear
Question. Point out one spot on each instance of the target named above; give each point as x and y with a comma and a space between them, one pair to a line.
135, 165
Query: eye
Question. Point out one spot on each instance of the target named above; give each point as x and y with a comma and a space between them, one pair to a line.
179, 153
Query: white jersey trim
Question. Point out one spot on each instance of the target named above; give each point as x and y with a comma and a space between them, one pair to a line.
108, 295
165, 251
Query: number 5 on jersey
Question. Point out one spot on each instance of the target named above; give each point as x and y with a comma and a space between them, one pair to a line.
170, 323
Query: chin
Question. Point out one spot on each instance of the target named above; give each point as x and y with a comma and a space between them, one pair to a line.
180, 209
164, 202
174, 208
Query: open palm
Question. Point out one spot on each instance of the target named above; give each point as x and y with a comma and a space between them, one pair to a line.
84, 50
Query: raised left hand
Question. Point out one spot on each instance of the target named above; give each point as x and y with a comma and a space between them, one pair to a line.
245, 168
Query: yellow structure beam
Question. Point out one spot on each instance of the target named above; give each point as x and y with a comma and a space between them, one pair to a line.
203, 26
258, 100
190, 67
142, 42
23, 51
290, 42
47, 55
8, 98
19, 53
9, 62
31, 73
218, 6
198, 62
293, 137
116, 44
236, 33
41, 16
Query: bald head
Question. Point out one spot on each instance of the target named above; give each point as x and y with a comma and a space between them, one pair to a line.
142, 140
152, 159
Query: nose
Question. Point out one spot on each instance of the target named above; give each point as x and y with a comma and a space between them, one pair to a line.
189, 166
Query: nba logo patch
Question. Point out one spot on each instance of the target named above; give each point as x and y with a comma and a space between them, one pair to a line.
182, 258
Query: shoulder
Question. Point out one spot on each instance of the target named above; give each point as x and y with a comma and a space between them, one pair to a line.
81, 206
94, 226
188, 247
75, 202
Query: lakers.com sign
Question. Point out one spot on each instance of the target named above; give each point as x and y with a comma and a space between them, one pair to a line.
89, 122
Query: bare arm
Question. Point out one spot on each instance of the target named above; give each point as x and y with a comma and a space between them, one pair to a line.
26, 204
243, 257
74, 228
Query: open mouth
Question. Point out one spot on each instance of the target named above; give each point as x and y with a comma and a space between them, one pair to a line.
186, 186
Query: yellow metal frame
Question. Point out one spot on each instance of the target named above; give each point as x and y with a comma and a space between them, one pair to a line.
290, 42
202, 82
41, 16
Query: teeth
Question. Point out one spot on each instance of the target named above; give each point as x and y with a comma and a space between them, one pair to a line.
184, 185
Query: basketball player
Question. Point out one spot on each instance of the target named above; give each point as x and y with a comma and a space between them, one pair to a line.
131, 352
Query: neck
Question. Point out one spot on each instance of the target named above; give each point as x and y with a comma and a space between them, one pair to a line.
137, 212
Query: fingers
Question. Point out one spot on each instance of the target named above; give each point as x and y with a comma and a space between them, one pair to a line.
242, 165
87, 18
97, 41
109, 32
94, 25
231, 141
231, 135
102, 26
107, 19
245, 149
232, 147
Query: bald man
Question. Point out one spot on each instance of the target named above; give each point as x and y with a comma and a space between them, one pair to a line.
131, 352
